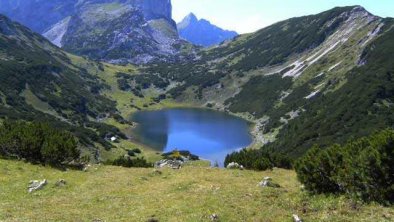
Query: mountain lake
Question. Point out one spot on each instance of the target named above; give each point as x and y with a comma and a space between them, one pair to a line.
211, 135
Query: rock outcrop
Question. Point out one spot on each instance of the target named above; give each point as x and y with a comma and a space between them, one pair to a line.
116, 31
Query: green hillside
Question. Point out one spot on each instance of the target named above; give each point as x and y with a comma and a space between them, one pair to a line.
39, 82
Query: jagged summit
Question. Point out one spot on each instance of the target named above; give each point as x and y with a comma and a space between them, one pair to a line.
358, 8
202, 32
192, 16
355, 9
189, 19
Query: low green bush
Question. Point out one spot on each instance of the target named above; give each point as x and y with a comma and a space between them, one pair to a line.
128, 162
362, 168
136, 150
37, 143
180, 154
260, 159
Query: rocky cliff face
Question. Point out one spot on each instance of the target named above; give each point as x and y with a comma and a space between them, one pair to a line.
202, 32
154, 9
118, 31
47, 13
38, 15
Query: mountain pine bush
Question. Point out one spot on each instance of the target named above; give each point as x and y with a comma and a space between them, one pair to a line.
259, 159
362, 168
37, 143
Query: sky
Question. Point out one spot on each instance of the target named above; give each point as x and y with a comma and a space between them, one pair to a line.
246, 16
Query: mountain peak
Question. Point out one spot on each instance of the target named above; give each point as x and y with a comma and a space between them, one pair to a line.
189, 19
358, 8
191, 16
362, 10
202, 32
359, 11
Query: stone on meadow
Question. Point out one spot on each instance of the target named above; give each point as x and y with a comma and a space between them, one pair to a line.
36, 185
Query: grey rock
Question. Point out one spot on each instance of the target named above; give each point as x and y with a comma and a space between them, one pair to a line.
234, 165
86, 168
61, 183
296, 218
214, 217
157, 172
267, 182
173, 164
35, 185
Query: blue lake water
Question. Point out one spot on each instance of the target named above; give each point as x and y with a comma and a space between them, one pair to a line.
208, 134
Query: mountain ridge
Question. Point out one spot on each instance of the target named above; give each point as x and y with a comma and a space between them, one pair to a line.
77, 25
202, 32
276, 76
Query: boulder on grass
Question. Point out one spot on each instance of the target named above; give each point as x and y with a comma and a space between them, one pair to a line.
267, 182
173, 164
36, 185
214, 217
296, 218
234, 165
61, 183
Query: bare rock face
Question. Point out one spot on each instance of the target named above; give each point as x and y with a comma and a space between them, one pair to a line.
154, 9
38, 15
48, 13
116, 31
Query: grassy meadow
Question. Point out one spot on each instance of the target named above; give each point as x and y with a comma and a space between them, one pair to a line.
106, 193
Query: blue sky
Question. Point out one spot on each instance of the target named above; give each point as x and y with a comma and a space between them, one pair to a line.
246, 16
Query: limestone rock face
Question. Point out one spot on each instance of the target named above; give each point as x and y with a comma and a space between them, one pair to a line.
155, 9
116, 31
38, 15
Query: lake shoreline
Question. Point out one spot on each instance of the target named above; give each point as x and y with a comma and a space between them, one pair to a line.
210, 134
